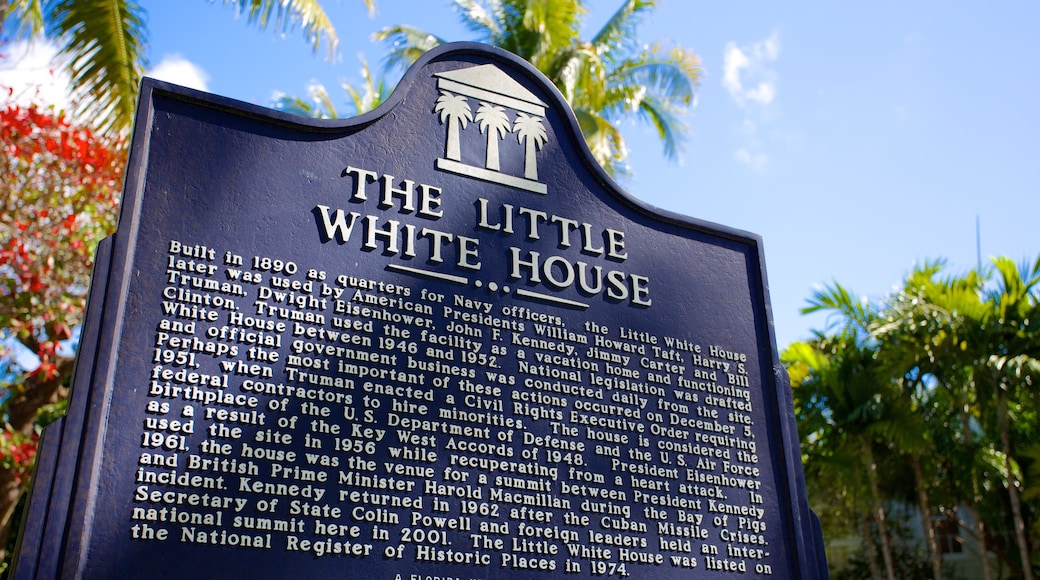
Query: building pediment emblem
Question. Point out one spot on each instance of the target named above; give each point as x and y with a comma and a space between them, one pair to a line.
504, 108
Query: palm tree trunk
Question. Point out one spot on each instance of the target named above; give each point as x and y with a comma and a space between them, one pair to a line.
453, 150
530, 162
926, 518
868, 543
879, 511
976, 515
980, 533
1016, 507
492, 150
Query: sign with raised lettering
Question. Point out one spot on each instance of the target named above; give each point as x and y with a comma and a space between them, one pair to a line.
432, 342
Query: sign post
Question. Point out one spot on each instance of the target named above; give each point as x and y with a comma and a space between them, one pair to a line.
434, 341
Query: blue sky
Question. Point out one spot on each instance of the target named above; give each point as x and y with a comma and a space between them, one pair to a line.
857, 139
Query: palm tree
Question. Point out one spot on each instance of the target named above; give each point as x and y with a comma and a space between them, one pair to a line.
372, 93
986, 342
842, 394
957, 360
455, 111
1011, 367
923, 327
319, 106
103, 42
853, 381
495, 123
605, 79
530, 132
838, 493
362, 100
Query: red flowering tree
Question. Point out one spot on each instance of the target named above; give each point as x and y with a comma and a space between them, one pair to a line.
59, 190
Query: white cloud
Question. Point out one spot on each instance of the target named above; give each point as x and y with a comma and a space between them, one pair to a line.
174, 68
752, 84
733, 61
31, 75
757, 161
746, 74
762, 94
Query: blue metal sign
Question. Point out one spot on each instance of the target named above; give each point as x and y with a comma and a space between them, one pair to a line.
435, 341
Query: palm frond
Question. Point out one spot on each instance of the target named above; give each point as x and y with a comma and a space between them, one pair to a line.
537, 29
1032, 489
670, 127
483, 17
29, 16
298, 106
372, 93
996, 461
604, 141
407, 44
619, 30
287, 14
104, 46
672, 77
603, 80
562, 71
658, 89
840, 301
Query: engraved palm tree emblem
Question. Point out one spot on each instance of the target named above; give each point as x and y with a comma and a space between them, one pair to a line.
494, 122
454, 111
500, 97
530, 132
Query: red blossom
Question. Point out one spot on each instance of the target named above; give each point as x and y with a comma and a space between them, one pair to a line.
59, 191
17, 452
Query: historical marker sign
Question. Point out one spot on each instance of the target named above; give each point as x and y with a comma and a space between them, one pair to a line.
435, 341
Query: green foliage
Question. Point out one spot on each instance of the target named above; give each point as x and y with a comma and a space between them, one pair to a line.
59, 187
605, 80
939, 376
910, 560
287, 14
363, 99
59, 191
103, 44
